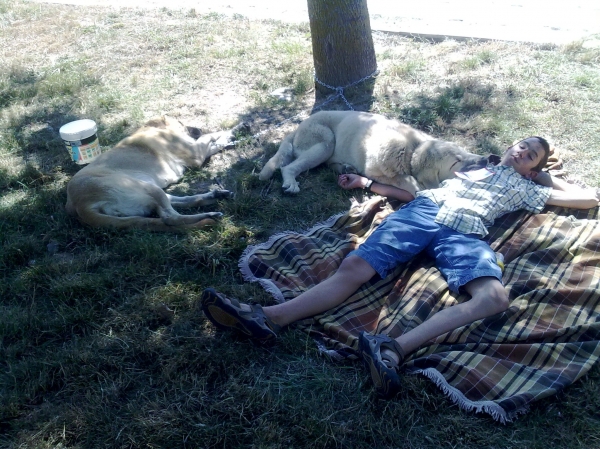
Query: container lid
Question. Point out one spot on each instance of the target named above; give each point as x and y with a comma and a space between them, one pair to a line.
78, 130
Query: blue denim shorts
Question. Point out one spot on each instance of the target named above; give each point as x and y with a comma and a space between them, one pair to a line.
412, 229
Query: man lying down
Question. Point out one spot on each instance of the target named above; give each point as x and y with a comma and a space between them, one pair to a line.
448, 224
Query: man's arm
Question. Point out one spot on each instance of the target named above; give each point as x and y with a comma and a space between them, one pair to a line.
352, 181
566, 194
577, 198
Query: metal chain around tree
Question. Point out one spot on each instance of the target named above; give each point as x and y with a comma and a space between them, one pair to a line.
342, 44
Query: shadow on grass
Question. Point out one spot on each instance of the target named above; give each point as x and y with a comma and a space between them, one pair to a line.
102, 315
34, 137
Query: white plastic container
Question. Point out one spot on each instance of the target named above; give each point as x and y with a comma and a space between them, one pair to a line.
81, 139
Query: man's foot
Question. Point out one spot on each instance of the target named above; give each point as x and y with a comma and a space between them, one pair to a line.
383, 365
229, 313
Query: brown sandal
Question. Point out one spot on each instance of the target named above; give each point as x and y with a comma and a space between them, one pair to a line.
253, 323
384, 370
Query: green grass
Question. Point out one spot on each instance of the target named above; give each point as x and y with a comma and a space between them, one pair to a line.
101, 344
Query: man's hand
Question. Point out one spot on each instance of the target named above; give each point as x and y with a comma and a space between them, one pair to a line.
352, 181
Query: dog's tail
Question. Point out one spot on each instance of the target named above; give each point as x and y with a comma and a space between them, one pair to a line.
284, 156
97, 219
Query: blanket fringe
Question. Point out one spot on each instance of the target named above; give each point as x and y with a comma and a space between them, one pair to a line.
331, 353
456, 396
267, 284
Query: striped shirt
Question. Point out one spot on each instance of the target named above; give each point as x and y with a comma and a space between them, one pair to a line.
475, 199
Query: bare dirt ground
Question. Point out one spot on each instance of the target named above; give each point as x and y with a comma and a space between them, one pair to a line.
521, 20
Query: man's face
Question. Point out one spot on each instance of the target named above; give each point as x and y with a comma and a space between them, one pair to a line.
524, 156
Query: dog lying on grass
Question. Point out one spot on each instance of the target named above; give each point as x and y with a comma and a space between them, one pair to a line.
381, 149
123, 187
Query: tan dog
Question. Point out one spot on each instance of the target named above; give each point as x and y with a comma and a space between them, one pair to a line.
123, 187
385, 150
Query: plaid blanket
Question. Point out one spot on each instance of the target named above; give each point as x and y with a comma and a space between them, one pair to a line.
547, 339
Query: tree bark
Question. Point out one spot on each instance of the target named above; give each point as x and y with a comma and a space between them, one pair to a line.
342, 43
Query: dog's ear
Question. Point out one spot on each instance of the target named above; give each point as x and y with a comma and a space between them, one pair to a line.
157, 122
193, 132
494, 159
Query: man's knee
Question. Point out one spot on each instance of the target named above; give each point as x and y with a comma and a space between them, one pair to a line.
498, 300
489, 293
356, 268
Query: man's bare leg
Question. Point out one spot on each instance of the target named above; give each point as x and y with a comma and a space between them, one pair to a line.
352, 273
382, 355
488, 297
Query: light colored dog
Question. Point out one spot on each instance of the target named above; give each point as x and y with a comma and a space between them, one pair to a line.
381, 149
123, 187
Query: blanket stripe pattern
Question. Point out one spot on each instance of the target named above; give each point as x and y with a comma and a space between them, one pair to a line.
547, 339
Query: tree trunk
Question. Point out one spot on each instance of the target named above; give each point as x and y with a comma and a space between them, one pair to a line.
342, 43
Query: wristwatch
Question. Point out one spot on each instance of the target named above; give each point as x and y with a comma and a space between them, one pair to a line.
368, 185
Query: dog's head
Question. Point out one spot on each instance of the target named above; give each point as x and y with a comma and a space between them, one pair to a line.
166, 122
436, 160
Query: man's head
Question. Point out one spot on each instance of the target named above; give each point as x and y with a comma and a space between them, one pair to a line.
527, 156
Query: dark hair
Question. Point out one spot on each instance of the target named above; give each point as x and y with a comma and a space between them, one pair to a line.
546, 147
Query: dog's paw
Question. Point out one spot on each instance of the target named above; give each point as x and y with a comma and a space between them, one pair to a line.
349, 169
242, 128
207, 222
222, 194
225, 141
291, 187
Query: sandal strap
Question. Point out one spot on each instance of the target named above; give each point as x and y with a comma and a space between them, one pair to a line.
398, 350
254, 322
384, 372
386, 342
257, 308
